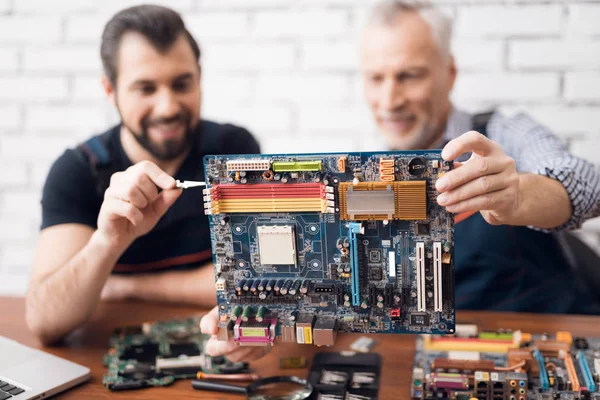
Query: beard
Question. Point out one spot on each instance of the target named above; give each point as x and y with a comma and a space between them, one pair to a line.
420, 136
168, 149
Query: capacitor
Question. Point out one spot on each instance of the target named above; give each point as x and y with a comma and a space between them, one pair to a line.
379, 305
247, 284
254, 286
278, 285
396, 299
304, 286
270, 285
286, 287
240, 285
364, 304
295, 287
235, 313
262, 295
262, 284
246, 314
261, 313
379, 297
346, 304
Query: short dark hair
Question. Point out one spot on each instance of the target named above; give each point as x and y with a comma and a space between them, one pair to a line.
160, 25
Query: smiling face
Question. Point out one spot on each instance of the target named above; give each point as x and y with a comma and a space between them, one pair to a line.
407, 81
157, 94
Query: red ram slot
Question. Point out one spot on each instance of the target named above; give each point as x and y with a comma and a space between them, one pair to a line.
261, 191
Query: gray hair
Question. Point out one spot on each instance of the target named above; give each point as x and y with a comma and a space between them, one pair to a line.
387, 12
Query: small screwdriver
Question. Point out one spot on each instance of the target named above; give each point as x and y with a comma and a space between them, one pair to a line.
188, 184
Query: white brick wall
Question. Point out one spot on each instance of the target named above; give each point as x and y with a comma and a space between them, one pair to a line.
284, 69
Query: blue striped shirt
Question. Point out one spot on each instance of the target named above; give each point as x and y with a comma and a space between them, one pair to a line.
537, 150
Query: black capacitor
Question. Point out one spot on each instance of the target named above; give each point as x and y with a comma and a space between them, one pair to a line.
270, 285
261, 285
295, 287
278, 285
254, 286
286, 286
304, 286
240, 285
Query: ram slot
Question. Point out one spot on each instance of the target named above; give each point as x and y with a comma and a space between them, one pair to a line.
437, 276
355, 228
572, 373
586, 372
420, 276
542, 367
265, 198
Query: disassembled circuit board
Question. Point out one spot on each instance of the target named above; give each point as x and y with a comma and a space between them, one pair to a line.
308, 245
506, 365
158, 353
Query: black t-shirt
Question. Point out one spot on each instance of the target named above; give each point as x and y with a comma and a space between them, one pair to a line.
181, 238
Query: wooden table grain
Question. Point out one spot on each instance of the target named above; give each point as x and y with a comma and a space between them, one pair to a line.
88, 345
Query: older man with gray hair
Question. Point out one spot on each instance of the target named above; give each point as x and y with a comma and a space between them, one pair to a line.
516, 184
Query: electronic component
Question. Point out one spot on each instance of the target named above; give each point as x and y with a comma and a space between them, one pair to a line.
276, 244
254, 333
292, 362
287, 166
522, 372
325, 243
363, 344
324, 331
304, 333
248, 165
160, 352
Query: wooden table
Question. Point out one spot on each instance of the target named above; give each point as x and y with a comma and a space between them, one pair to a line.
88, 345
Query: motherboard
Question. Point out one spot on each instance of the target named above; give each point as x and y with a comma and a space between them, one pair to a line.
308, 245
159, 352
506, 365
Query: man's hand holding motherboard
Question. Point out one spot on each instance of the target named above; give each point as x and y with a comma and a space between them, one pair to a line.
487, 182
232, 350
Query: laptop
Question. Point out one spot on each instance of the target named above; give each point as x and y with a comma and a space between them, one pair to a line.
27, 373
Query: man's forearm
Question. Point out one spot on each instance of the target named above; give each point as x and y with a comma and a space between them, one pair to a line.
195, 287
67, 297
543, 202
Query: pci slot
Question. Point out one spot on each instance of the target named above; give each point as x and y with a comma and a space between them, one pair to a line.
437, 276
543, 372
586, 372
420, 276
355, 228
572, 373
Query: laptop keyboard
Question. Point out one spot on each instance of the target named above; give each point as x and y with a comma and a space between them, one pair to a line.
7, 390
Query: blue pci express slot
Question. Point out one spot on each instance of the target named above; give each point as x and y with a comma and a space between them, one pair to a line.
355, 230
585, 370
543, 372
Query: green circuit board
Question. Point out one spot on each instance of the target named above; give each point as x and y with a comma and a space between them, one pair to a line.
505, 365
158, 353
